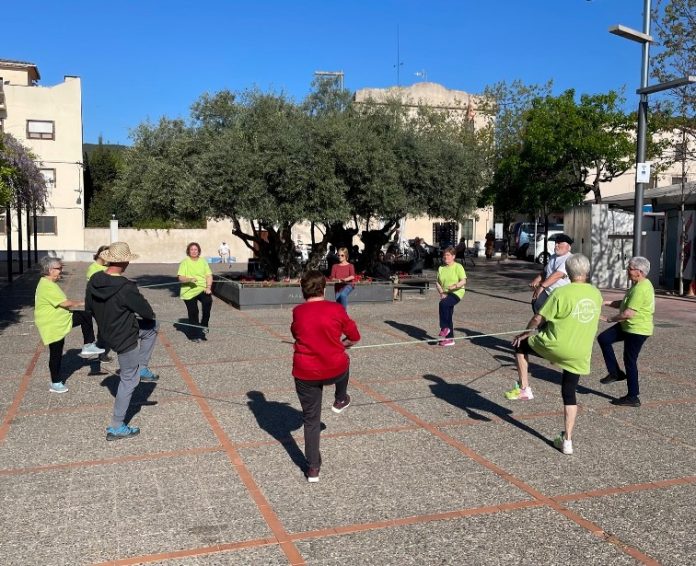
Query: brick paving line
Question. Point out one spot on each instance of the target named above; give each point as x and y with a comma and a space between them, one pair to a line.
510, 478
265, 509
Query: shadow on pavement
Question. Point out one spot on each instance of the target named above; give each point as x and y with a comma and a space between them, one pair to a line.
140, 398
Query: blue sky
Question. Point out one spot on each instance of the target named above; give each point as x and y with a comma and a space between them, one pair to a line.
139, 60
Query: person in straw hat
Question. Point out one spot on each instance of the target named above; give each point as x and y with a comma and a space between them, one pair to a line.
115, 302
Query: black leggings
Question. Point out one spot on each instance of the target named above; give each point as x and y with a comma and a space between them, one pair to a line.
569, 381
55, 349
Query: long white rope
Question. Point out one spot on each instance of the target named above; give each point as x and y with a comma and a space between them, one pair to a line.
438, 339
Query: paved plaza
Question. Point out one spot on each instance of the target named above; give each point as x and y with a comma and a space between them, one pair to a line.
429, 465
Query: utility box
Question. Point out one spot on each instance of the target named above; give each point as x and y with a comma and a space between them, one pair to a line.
605, 236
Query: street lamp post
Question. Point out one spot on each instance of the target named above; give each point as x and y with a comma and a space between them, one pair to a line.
644, 38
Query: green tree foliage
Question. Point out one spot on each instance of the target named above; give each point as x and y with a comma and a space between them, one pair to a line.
102, 163
21, 181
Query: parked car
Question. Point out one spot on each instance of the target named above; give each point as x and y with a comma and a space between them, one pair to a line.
524, 233
536, 252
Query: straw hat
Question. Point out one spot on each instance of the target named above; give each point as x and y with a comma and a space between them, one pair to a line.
118, 252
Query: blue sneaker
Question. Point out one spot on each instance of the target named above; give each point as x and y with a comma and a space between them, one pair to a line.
124, 431
147, 376
58, 388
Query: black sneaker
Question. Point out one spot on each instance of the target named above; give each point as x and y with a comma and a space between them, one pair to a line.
626, 401
105, 358
313, 475
612, 377
340, 406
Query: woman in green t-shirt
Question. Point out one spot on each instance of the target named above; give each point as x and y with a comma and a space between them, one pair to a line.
54, 321
196, 286
451, 279
635, 325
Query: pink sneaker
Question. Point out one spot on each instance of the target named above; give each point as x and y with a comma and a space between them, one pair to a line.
447, 342
444, 333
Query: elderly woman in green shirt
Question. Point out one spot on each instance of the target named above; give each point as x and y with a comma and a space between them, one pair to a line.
451, 279
54, 320
196, 286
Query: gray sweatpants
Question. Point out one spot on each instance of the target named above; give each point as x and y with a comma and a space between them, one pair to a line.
131, 363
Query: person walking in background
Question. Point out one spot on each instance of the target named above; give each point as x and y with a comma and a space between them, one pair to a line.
115, 302
343, 273
54, 320
99, 265
490, 244
635, 326
451, 279
224, 253
554, 274
322, 331
196, 286
566, 327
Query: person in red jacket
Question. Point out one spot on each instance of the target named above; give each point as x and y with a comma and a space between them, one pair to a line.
322, 331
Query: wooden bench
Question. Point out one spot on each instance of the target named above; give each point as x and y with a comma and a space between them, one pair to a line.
411, 284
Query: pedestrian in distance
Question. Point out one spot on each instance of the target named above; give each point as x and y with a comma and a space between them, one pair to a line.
129, 327
196, 287
554, 274
55, 320
562, 332
224, 253
322, 331
451, 279
343, 273
634, 326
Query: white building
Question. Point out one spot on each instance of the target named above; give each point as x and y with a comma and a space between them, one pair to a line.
47, 120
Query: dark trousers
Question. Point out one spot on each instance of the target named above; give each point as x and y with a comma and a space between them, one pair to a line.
192, 308
309, 393
55, 349
447, 312
632, 346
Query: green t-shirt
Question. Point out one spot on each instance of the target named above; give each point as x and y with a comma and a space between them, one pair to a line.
572, 316
448, 275
94, 268
198, 269
54, 322
641, 299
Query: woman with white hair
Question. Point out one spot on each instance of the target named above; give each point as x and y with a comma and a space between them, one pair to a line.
54, 320
635, 325
566, 325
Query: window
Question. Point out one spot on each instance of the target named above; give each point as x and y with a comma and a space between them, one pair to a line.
468, 229
41, 130
678, 180
50, 176
445, 233
44, 225
3, 224
680, 153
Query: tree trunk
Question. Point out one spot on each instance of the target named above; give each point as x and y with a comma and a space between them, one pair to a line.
8, 231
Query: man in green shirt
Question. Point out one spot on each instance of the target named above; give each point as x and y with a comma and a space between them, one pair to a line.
566, 324
635, 325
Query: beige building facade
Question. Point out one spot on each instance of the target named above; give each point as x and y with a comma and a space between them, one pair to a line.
48, 121
459, 105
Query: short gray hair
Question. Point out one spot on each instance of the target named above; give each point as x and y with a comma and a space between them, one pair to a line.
577, 266
641, 263
47, 262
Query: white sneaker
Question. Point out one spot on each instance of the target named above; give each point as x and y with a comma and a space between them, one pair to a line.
58, 388
90, 350
563, 444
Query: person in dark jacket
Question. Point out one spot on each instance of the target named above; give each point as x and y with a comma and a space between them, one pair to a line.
115, 301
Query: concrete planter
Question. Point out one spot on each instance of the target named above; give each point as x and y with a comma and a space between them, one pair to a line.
253, 296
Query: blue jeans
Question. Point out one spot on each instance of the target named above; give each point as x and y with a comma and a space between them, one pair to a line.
342, 296
447, 312
632, 346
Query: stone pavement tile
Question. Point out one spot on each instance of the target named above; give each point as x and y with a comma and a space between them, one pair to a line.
374, 478
525, 537
128, 509
660, 522
14, 362
8, 390
270, 555
671, 421
606, 454
37, 440
239, 377
264, 417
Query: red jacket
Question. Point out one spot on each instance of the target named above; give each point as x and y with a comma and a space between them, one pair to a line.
318, 328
